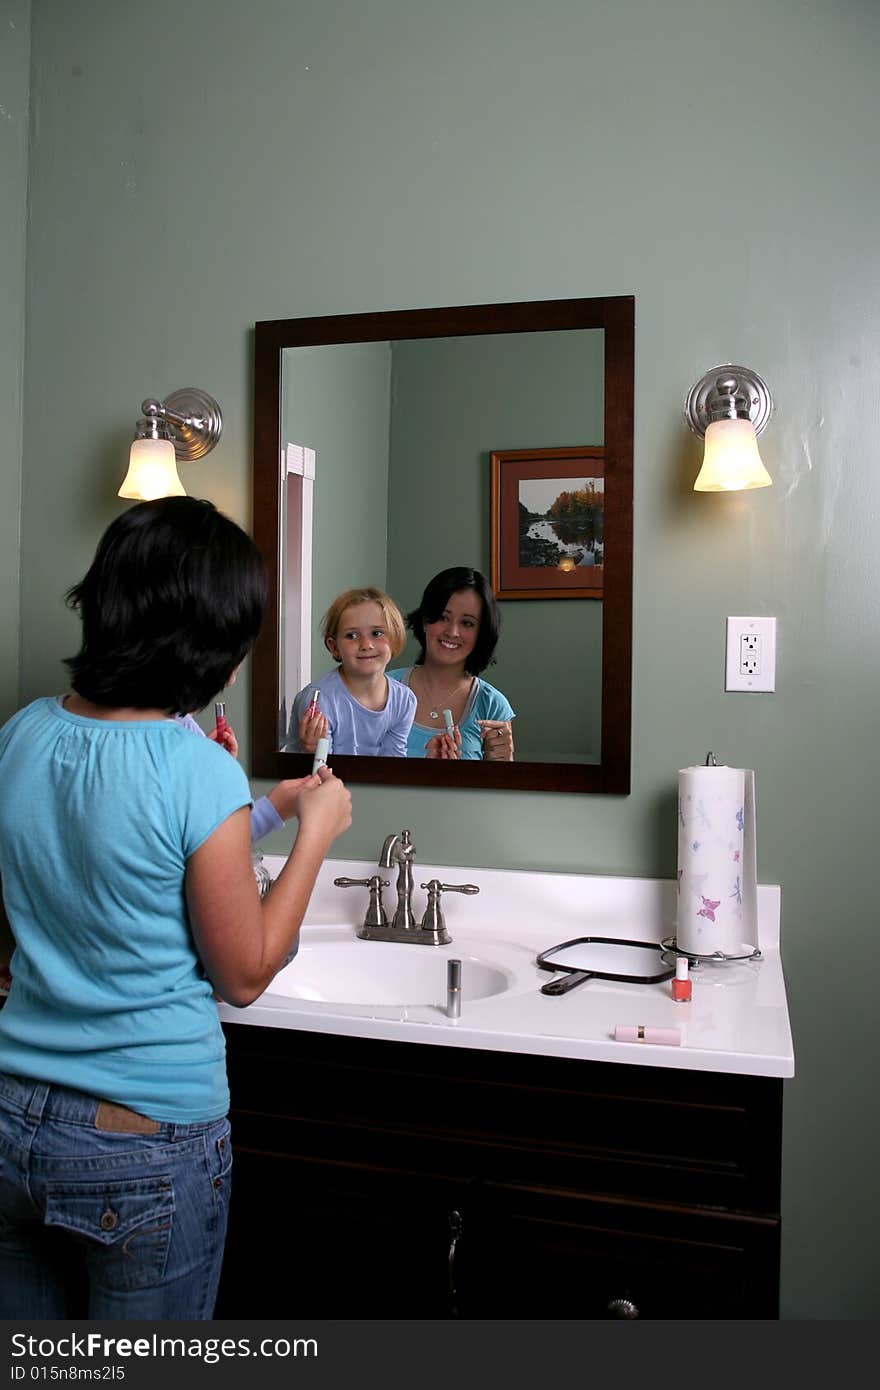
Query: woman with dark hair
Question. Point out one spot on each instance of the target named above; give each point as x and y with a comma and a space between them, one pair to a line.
129, 896
457, 625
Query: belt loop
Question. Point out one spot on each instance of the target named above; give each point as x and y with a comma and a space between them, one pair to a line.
38, 1099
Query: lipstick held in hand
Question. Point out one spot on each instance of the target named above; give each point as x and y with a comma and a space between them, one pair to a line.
321, 752
313, 705
220, 718
449, 722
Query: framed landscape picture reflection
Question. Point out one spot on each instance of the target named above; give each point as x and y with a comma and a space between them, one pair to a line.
548, 523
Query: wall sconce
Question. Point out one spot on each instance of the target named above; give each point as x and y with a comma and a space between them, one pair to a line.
186, 425
730, 407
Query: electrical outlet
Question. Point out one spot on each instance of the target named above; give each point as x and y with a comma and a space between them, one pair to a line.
751, 654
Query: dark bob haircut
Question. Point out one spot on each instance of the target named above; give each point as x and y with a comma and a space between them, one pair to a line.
170, 606
434, 601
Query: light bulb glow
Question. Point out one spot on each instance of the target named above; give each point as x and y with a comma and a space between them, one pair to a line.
731, 461
152, 471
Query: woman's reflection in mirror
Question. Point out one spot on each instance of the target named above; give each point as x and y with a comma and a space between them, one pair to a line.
456, 625
358, 709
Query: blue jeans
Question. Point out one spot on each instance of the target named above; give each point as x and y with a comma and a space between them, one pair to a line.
101, 1224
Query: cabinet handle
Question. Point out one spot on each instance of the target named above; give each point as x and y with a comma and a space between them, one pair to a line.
622, 1308
455, 1224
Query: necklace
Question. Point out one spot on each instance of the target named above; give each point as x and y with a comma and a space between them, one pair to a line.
435, 707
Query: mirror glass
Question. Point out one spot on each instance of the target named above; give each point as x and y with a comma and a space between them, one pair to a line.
389, 447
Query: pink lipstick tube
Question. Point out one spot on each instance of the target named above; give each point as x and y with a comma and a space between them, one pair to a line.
641, 1033
313, 705
220, 717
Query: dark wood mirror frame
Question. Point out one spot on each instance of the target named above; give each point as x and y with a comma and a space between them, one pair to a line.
616, 315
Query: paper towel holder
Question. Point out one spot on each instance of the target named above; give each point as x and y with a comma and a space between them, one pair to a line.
670, 945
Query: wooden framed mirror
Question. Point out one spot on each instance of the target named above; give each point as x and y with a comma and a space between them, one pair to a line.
375, 440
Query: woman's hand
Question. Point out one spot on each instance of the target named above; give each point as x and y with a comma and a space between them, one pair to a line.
226, 739
444, 745
325, 808
497, 736
285, 795
310, 730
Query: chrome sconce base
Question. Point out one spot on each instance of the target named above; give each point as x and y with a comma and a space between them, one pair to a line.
728, 392
190, 418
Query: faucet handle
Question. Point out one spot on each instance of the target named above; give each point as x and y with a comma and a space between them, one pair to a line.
376, 916
435, 887
433, 918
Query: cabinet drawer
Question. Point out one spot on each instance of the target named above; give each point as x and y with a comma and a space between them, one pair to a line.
670, 1135
527, 1254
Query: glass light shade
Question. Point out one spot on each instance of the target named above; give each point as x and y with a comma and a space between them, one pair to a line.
731, 461
152, 471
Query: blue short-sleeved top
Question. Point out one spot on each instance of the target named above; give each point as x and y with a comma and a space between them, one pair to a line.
97, 821
351, 727
483, 702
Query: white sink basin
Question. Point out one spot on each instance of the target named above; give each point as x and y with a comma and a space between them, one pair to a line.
333, 967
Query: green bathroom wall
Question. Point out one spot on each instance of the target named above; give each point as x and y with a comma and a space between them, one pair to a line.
15, 26
294, 157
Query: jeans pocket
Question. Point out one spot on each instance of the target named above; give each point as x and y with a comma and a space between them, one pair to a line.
126, 1226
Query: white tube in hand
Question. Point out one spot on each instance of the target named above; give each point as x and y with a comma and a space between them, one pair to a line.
321, 752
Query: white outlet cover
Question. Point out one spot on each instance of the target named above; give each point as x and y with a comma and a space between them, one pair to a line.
763, 630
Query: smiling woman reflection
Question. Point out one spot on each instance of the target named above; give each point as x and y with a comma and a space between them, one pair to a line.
457, 625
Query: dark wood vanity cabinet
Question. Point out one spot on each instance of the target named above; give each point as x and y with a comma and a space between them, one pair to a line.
397, 1181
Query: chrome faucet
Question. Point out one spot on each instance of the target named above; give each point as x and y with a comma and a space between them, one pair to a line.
431, 931
400, 850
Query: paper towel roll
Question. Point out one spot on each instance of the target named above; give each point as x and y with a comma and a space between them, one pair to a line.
717, 869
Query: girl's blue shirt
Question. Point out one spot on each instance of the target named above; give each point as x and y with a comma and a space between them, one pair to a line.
351, 727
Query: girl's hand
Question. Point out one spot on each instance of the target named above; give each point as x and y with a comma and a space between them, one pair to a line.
310, 730
444, 745
497, 737
285, 795
226, 740
325, 808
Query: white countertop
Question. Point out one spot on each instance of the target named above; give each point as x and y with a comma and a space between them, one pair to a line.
736, 1021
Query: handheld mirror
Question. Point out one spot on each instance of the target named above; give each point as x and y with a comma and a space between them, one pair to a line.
604, 958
